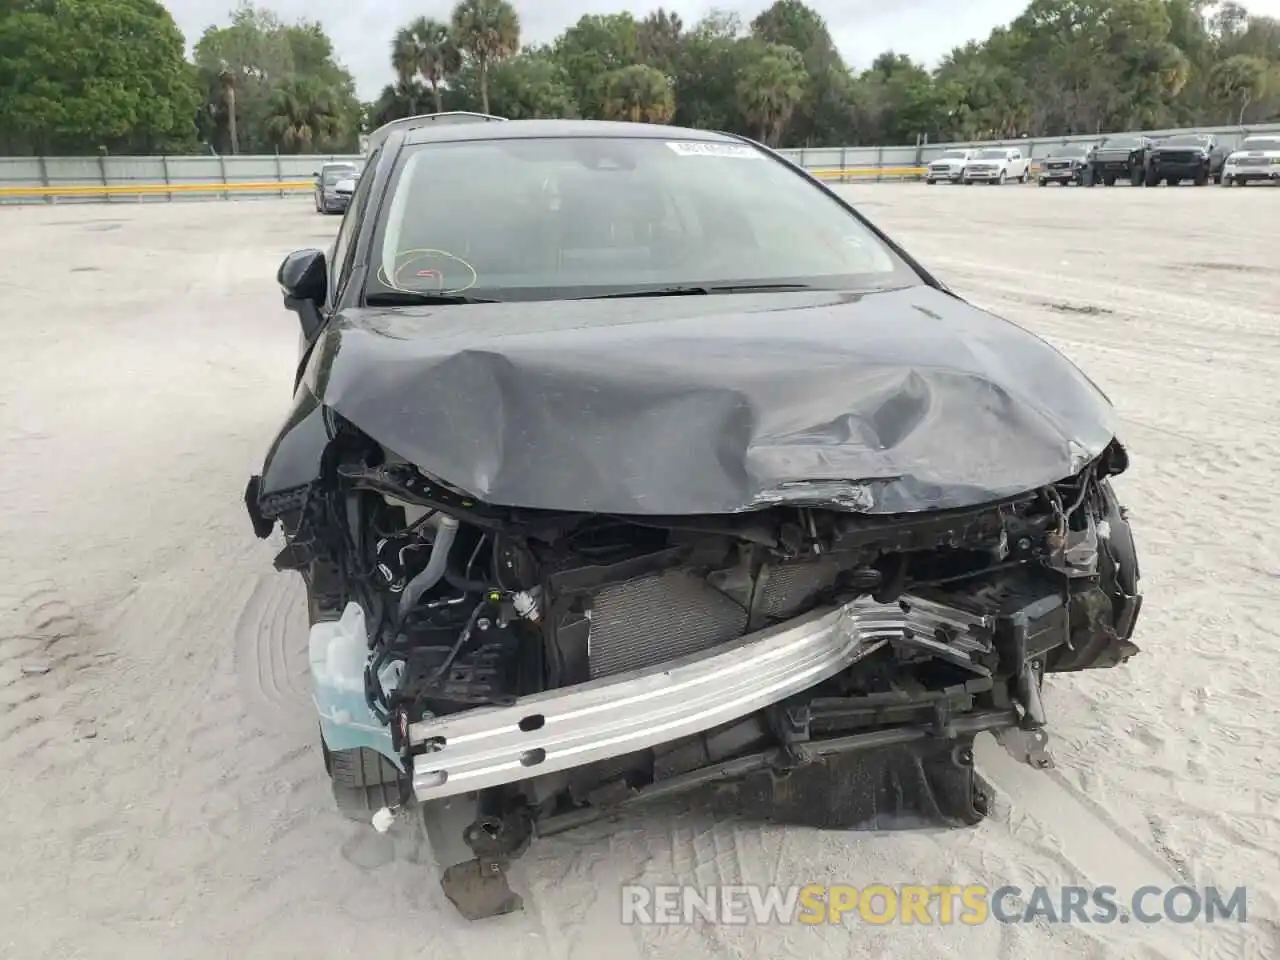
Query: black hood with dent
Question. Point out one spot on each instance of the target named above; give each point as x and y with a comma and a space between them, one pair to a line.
891, 402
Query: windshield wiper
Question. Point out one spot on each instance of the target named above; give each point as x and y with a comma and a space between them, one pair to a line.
400, 298
703, 290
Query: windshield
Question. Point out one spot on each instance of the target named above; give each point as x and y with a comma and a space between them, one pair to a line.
1187, 138
1070, 150
562, 217
333, 174
1260, 143
1127, 143
991, 154
955, 154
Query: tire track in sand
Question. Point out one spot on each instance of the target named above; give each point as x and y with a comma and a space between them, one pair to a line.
270, 639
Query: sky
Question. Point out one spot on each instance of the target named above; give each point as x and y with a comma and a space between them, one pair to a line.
361, 29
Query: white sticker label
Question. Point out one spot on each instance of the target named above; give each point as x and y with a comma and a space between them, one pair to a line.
693, 148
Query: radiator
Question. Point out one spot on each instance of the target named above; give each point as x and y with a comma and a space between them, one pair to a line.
653, 619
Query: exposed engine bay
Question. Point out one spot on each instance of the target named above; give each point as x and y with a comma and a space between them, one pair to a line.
469, 612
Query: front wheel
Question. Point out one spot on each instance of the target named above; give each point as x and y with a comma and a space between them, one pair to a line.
1000, 182
1201, 178
929, 181
1023, 177
1043, 182
1109, 180
1135, 177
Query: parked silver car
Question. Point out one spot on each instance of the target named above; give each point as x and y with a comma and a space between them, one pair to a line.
329, 198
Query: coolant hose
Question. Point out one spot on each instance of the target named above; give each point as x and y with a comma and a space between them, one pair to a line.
436, 564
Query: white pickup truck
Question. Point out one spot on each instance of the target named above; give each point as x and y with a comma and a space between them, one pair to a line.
949, 167
996, 165
1257, 159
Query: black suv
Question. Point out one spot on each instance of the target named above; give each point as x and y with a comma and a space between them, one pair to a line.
1197, 157
1120, 158
1068, 163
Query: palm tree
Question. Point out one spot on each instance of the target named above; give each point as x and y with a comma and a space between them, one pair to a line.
770, 87
227, 84
487, 31
302, 116
404, 98
425, 48
638, 93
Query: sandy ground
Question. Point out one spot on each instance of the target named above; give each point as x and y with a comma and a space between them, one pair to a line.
163, 794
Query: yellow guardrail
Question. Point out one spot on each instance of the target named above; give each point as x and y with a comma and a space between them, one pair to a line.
279, 186
840, 173
98, 190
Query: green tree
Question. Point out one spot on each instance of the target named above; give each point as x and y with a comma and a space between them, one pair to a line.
1238, 81
592, 49
426, 48
487, 32
638, 93
304, 117
659, 37
708, 66
532, 84
771, 86
80, 76
254, 66
405, 98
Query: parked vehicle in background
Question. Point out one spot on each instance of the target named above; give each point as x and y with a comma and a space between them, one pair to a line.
1121, 157
329, 199
1069, 163
1257, 159
1197, 157
996, 165
949, 167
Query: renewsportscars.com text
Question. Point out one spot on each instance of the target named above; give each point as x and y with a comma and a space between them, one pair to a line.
937, 904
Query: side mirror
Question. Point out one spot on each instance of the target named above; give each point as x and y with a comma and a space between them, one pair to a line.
304, 280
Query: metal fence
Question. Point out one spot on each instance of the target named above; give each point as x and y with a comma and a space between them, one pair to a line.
140, 179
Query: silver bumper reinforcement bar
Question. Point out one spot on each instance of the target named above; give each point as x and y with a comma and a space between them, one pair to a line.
572, 726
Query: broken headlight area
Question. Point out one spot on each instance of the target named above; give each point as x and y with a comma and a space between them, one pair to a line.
525, 671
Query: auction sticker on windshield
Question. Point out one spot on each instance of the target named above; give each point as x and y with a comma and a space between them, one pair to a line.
691, 148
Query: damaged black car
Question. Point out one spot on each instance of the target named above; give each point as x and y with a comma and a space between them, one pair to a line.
629, 460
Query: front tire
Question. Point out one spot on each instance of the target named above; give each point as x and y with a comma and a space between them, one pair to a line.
1043, 182
1000, 182
363, 782
1109, 180
1202, 178
1136, 177
1150, 178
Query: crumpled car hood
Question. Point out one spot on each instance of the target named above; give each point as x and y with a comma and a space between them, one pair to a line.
891, 402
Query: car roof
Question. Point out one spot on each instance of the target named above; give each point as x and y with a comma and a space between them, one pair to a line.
527, 129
